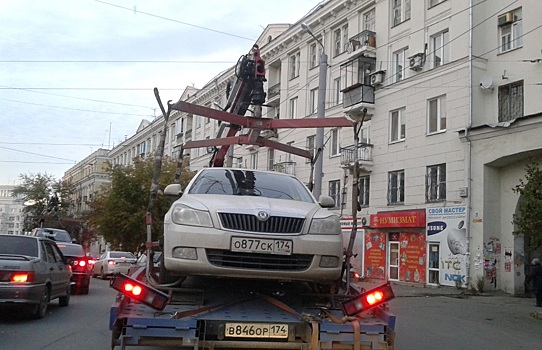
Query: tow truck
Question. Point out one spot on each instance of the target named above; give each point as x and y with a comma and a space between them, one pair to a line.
226, 313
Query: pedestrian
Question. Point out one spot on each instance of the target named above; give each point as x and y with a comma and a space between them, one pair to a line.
536, 277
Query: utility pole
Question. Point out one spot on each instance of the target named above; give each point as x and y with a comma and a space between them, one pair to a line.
320, 113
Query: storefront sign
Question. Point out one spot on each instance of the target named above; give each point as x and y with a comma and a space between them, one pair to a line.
397, 219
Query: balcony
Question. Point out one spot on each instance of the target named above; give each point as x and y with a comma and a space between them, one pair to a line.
364, 156
363, 43
273, 95
285, 167
359, 98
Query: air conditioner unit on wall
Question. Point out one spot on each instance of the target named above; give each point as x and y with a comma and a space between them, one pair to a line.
377, 78
416, 62
365, 220
505, 19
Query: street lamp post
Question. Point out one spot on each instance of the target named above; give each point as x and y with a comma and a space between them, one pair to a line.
320, 113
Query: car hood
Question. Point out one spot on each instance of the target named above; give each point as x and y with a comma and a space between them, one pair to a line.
253, 205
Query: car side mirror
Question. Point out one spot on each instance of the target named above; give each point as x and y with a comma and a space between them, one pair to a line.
326, 201
173, 191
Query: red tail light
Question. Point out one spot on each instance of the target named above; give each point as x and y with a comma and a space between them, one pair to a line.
368, 300
22, 277
111, 262
140, 292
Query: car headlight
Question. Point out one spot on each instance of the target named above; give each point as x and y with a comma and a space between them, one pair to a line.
326, 226
183, 215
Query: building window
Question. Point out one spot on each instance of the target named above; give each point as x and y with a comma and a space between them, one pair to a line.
293, 108
340, 40
396, 187
254, 160
369, 20
432, 3
397, 125
399, 64
357, 71
294, 65
435, 183
335, 191
510, 30
312, 56
440, 49
313, 101
270, 159
511, 101
400, 11
364, 135
363, 190
436, 114
238, 161
335, 147
309, 146
337, 95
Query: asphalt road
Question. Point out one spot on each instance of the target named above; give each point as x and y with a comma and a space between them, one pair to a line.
423, 322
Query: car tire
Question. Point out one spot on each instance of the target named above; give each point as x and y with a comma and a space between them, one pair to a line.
40, 310
102, 274
165, 277
65, 300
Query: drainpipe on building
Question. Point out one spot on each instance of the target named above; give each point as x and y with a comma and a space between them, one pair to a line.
469, 151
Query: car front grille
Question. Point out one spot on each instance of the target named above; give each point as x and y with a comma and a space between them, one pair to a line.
254, 261
248, 222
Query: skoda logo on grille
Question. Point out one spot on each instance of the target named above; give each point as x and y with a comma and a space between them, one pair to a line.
263, 216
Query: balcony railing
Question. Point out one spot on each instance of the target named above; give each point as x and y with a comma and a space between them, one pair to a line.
364, 154
285, 167
188, 134
273, 91
358, 93
365, 41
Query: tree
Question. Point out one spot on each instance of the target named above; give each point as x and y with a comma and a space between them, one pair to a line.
46, 199
118, 214
528, 222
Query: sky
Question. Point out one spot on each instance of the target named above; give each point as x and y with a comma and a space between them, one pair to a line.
78, 75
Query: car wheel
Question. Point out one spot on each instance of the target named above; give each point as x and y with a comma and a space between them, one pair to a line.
102, 274
65, 300
165, 277
40, 310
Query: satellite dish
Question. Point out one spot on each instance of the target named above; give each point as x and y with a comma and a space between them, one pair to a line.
486, 81
30, 202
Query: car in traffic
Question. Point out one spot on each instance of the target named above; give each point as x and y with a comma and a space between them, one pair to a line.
55, 234
92, 257
113, 262
245, 223
79, 262
33, 271
142, 262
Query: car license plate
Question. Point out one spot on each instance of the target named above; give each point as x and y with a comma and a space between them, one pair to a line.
261, 245
256, 330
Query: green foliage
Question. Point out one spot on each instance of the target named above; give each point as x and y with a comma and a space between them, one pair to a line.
38, 189
528, 222
118, 214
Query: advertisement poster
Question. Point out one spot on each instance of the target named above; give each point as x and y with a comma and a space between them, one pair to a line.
375, 255
413, 257
447, 225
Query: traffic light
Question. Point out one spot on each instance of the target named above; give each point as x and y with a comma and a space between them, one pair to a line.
367, 300
140, 292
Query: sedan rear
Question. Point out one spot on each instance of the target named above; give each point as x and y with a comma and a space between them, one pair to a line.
113, 262
75, 254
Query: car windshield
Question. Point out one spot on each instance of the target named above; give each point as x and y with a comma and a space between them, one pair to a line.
122, 255
55, 235
249, 183
17, 245
71, 250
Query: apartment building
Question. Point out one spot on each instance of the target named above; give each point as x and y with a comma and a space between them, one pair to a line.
11, 211
444, 93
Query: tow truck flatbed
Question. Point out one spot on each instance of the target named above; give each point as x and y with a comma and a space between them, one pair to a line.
238, 314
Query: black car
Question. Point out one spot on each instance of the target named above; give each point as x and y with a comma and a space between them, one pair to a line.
81, 268
33, 272
55, 234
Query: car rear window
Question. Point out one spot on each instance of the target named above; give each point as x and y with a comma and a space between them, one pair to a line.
55, 235
18, 245
120, 255
71, 250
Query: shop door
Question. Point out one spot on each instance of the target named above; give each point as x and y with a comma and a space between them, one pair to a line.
393, 261
433, 276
